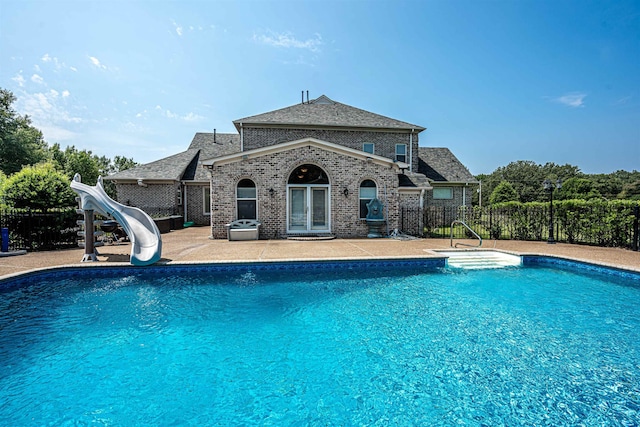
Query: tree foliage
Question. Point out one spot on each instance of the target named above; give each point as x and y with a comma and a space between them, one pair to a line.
526, 177
41, 187
504, 192
72, 161
577, 188
20, 143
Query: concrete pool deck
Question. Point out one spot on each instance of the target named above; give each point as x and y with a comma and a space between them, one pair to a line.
192, 245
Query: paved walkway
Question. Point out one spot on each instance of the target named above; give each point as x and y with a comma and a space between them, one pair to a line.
193, 245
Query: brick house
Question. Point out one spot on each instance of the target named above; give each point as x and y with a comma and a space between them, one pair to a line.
307, 169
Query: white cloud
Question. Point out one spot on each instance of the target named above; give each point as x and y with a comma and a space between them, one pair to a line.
47, 110
574, 99
19, 79
287, 40
189, 117
178, 28
73, 68
192, 117
65, 93
53, 60
54, 133
623, 101
37, 79
96, 62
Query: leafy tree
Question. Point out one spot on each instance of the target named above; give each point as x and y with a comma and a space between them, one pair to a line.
526, 177
121, 163
20, 143
72, 161
504, 192
631, 191
577, 188
612, 185
39, 187
3, 179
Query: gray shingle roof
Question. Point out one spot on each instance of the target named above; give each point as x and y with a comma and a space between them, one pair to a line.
184, 165
325, 112
225, 143
413, 180
169, 168
439, 164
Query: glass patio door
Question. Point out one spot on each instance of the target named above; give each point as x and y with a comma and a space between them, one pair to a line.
308, 209
319, 208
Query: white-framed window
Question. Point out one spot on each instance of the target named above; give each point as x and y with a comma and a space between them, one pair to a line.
369, 147
246, 199
443, 193
206, 200
401, 153
368, 192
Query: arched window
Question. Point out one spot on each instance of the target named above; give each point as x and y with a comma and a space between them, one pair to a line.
368, 192
308, 174
246, 199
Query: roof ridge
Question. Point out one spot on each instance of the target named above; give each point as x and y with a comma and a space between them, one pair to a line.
325, 112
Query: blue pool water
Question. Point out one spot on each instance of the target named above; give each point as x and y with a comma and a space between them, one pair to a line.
350, 345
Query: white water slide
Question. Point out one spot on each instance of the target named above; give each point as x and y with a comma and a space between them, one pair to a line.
146, 243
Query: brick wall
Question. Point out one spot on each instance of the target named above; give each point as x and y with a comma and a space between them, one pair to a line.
155, 199
385, 142
195, 205
272, 171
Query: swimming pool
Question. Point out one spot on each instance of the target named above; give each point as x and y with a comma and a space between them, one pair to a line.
353, 343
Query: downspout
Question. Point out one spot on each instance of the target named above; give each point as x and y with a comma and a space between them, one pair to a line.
421, 216
184, 202
464, 199
386, 203
411, 151
241, 138
464, 194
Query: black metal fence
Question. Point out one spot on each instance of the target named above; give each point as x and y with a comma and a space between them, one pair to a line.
607, 224
40, 231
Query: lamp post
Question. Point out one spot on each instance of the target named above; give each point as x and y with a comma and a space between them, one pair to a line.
550, 186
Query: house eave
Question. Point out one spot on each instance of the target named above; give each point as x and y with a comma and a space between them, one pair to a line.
140, 181
413, 190
454, 182
286, 146
271, 125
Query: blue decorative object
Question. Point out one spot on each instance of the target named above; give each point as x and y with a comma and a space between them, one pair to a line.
375, 218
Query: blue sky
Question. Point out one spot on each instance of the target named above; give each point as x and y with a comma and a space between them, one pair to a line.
494, 81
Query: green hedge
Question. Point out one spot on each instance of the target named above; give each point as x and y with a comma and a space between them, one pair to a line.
596, 222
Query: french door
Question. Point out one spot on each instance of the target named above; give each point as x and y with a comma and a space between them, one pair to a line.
308, 209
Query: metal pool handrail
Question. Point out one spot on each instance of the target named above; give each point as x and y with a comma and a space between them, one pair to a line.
468, 228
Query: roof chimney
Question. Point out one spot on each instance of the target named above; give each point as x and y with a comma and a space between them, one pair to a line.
302, 97
214, 136
307, 97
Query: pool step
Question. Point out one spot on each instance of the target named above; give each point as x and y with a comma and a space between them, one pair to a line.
474, 260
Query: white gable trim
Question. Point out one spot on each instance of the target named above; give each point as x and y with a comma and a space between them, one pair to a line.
306, 142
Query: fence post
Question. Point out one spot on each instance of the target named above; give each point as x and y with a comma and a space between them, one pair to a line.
634, 241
